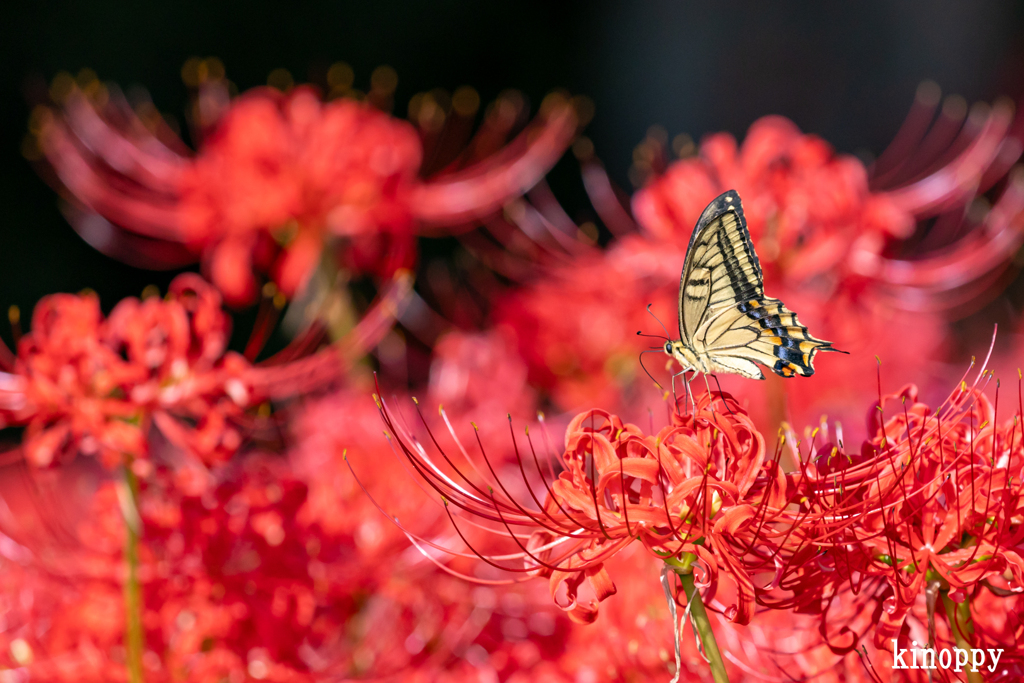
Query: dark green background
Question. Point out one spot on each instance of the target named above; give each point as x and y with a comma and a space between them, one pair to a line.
845, 72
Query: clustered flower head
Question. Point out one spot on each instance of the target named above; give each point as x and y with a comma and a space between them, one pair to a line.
82, 382
930, 506
279, 180
701, 486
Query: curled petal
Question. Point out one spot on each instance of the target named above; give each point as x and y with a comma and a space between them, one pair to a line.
734, 519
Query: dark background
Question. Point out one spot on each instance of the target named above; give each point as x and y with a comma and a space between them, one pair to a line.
847, 73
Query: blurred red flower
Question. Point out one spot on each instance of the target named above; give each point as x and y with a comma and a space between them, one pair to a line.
277, 178
82, 383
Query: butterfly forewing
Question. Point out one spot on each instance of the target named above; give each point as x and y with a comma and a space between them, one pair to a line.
721, 266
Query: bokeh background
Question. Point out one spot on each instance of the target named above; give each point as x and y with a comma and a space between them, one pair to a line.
845, 72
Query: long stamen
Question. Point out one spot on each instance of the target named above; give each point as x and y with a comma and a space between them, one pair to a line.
551, 494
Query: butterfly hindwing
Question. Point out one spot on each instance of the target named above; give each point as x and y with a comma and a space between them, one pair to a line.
791, 346
721, 266
762, 331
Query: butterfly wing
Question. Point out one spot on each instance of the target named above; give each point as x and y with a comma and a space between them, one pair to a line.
723, 313
721, 267
760, 331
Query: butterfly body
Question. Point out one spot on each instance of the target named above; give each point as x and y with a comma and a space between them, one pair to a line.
726, 323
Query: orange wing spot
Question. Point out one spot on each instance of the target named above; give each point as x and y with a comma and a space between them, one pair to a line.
775, 340
787, 370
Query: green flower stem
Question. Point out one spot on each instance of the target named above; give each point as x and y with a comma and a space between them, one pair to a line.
699, 617
962, 626
134, 638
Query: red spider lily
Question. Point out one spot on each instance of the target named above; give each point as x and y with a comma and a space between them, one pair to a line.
275, 180
702, 485
815, 221
930, 507
821, 230
223, 571
82, 383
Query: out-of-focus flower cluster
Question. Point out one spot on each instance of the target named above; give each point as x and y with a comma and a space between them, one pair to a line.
278, 178
299, 515
87, 384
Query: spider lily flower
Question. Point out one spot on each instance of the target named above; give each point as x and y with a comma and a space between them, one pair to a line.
821, 230
277, 178
225, 574
702, 486
274, 567
930, 506
82, 383
817, 222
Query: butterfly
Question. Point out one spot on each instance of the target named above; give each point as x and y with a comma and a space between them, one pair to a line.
726, 323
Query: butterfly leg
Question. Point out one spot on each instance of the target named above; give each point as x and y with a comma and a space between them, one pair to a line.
689, 402
688, 396
675, 399
689, 391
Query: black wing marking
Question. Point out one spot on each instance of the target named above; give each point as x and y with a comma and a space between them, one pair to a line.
721, 268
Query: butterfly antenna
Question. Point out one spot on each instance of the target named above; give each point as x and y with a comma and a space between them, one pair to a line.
719, 385
645, 367
659, 321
